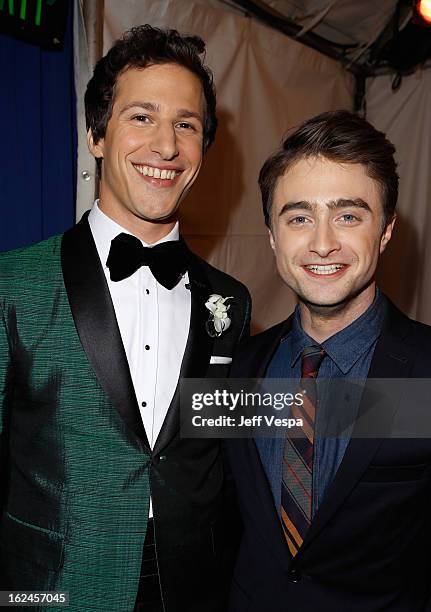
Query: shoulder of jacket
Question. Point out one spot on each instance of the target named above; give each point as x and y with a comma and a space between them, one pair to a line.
28, 262
253, 343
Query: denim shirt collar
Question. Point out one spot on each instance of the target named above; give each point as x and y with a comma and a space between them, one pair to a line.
346, 346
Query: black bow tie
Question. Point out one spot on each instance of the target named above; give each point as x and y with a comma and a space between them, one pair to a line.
167, 261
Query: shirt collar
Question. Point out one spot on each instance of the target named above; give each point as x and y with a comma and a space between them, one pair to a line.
105, 229
346, 346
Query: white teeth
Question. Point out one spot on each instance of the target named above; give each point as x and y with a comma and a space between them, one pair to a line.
164, 174
325, 269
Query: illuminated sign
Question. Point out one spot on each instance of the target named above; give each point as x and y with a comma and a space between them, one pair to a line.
41, 22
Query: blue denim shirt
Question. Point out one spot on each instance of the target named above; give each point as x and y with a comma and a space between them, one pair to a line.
348, 356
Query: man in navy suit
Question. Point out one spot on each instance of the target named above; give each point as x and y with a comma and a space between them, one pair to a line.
334, 522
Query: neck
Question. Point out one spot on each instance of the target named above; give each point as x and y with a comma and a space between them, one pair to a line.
322, 322
147, 231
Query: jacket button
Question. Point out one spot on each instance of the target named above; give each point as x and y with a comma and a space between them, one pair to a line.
294, 575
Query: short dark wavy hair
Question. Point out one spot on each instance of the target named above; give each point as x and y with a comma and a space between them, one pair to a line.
338, 136
138, 48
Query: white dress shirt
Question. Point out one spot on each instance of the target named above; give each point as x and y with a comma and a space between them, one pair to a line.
154, 326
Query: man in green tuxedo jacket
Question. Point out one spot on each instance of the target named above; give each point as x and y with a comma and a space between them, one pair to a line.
100, 496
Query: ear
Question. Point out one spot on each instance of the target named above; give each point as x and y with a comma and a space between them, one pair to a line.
95, 149
387, 234
271, 240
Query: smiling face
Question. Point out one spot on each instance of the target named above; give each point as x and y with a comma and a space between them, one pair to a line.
326, 233
152, 149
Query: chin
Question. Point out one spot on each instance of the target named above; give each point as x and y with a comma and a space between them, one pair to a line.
328, 301
158, 216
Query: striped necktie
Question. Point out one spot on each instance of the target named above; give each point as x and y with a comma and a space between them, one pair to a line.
296, 487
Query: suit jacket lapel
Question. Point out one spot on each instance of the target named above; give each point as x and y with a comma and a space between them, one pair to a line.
197, 352
96, 323
389, 361
270, 527
255, 366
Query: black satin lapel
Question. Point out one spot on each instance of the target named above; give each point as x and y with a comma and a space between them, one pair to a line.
197, 352
199, 343
96, 323
389, 361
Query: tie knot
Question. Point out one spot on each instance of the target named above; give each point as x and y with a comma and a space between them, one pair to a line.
311, 358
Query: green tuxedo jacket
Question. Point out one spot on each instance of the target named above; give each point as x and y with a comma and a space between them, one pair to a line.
76, 466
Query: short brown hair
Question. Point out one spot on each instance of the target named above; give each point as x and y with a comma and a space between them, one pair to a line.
138, 48
338, 136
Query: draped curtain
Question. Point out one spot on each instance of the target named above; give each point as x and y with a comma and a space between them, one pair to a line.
405, 116
38, 140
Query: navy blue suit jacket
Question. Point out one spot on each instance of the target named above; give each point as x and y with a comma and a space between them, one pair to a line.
369, 547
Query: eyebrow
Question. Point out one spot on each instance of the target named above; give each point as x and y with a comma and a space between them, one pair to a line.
155, 108
149, 106
188, 114
332, 204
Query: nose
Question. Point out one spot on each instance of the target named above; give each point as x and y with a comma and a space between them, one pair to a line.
324, 240
164, 141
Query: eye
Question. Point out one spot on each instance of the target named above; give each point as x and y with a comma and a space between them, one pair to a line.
141, 118
184, 125
300, 220
349, 218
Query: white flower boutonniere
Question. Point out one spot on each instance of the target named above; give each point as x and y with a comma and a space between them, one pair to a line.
218, 321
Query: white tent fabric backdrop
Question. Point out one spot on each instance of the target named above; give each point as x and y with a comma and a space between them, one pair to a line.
405, 115
266, 83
